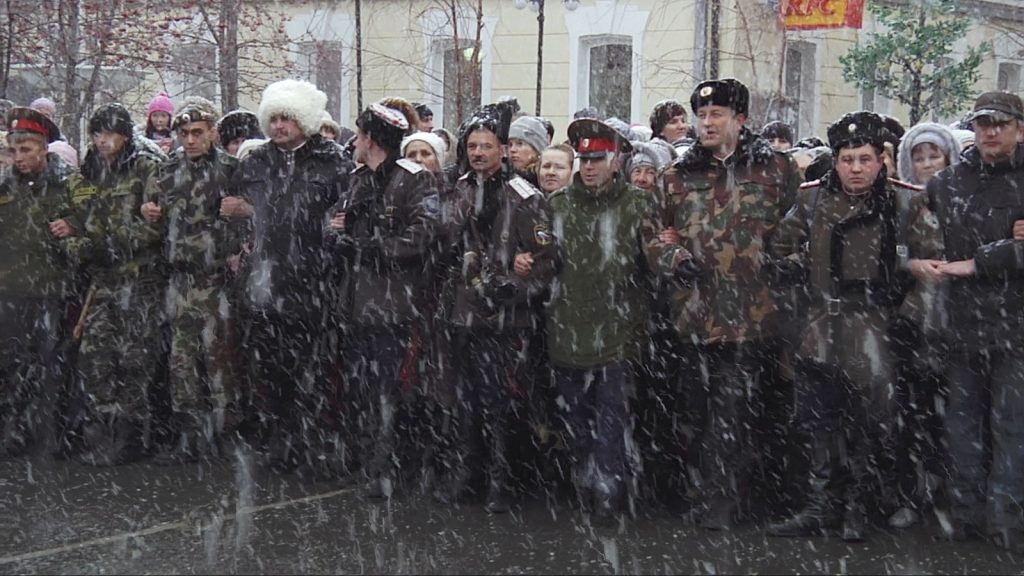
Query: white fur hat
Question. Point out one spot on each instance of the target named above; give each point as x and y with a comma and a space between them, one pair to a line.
295, 99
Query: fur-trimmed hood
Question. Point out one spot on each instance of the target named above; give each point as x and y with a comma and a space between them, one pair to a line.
752, 149
931, 132
295, 99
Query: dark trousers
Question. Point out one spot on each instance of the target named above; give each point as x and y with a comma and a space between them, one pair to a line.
373, 360
985, 435
724, 410
484, 364
31, 371
594, 409
286, 380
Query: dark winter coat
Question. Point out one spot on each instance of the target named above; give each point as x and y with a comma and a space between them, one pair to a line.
726, 212
391, 216
609, 250
291, 193
854, 250
512, 217
977, 204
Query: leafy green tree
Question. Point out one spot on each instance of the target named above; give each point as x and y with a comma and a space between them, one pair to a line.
910, 60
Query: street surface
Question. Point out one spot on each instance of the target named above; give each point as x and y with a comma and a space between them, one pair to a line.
61, 517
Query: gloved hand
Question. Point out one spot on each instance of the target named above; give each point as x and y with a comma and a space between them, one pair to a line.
499, 289
688, 270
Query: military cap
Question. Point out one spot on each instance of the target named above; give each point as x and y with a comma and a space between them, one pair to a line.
1001, 106
591, 138
195, 109
856, 129
728, 92
387, 126
29, 121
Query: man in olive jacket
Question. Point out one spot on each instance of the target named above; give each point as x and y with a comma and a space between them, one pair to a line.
383, 229
598, 314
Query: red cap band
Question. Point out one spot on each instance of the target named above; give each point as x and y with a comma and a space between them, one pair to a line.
23, 125
596, 145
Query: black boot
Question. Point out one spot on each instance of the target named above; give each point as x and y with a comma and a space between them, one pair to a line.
821, 513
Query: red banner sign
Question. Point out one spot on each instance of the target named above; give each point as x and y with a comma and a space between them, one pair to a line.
814, 14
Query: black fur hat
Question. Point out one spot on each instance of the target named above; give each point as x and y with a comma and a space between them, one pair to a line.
238, 124
112, 117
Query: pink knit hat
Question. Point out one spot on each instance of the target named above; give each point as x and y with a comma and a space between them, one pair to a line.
162, 103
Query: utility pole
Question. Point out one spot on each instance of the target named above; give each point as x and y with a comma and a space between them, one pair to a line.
359, 56
540, 53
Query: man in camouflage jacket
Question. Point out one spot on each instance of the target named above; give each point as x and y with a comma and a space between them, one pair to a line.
197, 246
123, 342
725, 196
35, 229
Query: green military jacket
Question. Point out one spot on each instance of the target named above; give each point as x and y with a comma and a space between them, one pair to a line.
855, 252
609, 249
726, 212
197, 240
108, 198
33, 262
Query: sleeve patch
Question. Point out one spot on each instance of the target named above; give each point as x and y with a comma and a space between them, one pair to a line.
542, 235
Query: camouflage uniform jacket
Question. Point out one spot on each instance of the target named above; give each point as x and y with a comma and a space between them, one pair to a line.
197, 240
513, 217
390, 219
609, 249
291, 193
726, 212
34, 262
855, 251
108, 198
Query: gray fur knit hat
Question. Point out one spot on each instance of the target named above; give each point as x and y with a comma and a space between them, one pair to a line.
926, 132
530, 130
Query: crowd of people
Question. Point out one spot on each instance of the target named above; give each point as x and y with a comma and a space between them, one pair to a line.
714, 318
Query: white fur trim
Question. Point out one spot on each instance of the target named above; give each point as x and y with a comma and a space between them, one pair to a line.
296, 99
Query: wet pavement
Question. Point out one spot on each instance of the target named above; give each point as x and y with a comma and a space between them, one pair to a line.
233, 516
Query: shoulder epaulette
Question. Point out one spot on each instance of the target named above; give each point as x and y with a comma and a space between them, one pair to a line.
810, 184
464, 176
906, 185
409, 166
522, 187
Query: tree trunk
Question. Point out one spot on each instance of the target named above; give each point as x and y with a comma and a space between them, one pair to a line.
69, 27
228, 57
5, 61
